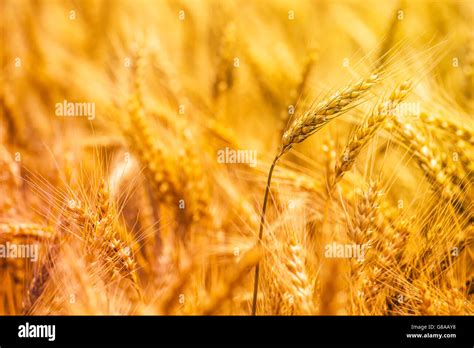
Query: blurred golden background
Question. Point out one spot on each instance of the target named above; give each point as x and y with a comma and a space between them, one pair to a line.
136, 139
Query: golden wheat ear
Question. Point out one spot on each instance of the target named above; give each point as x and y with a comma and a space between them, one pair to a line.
367, 130
336, 105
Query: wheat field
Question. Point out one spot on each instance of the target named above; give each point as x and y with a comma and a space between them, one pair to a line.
236, 157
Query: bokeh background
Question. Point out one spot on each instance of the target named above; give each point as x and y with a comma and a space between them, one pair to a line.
131, 209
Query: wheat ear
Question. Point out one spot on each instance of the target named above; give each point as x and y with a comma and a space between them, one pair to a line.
457, 131
117, 252
25, 230
303, 127
363, 134
313, 119
299, 283
434, 166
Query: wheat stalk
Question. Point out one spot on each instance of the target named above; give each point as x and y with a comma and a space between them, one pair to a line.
303, 127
